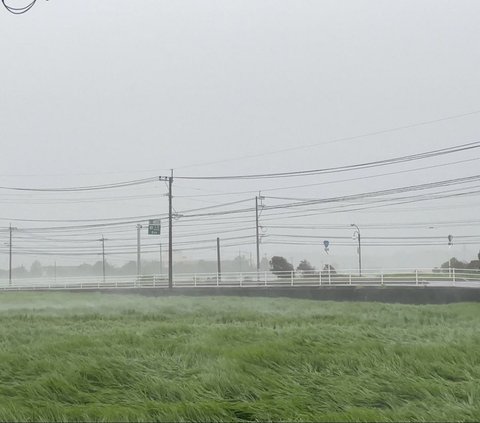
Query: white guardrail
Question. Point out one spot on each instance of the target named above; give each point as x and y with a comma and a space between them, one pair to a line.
385, 277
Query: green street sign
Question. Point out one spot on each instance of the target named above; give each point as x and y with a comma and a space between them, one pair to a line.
154, 227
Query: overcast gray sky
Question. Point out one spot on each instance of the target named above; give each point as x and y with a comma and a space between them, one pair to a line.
96, 92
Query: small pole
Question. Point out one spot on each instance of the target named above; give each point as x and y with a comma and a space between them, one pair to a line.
359, 255
219, 263
161, 260
291, 277
359, 249
416, 277
10, 257
329, 275
139, 264
103, 257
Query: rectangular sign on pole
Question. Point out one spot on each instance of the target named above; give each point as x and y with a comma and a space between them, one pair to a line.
154, 227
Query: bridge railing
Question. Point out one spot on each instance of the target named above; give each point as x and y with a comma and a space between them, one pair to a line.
329, 277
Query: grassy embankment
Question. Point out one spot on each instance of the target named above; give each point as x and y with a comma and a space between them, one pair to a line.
118, 358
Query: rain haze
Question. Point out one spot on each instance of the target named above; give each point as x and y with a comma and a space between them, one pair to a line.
96, 93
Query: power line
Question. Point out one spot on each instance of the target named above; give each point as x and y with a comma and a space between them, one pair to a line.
397, 225
387, 202
339, 140
125, 219
372, 244
85, 188
115, 222
409, 188
353, 197
295, 214
389, 238
337, 169
337, 181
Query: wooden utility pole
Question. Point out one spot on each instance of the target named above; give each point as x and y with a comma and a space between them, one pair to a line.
257, 228
161, 260
170, 232
257, 234
139, 262
10, 256
103, 256
219, 264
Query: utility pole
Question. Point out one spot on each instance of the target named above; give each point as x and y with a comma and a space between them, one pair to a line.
170, 232
10, 256
139, 263
161, 260
257, 234
219, 265
358, 236
259, 197
103, 256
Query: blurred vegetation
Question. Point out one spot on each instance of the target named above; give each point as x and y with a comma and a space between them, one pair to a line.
94, 357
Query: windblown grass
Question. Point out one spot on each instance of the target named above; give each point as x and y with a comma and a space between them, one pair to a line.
100, 357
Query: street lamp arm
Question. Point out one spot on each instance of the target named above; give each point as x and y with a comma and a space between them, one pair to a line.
357, 233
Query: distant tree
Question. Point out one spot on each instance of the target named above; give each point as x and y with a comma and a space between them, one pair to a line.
306, 268
458, 264
36, 270
454, 264
279, 266
474, 264
328, 268
97, 268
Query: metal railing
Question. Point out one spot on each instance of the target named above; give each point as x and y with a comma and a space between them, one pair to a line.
372, 277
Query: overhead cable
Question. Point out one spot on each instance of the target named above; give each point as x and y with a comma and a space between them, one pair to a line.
85, 188
357, 166
339, 140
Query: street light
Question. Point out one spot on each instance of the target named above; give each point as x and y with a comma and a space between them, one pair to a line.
356, 235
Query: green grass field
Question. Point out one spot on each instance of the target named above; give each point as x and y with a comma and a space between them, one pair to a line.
70, 357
